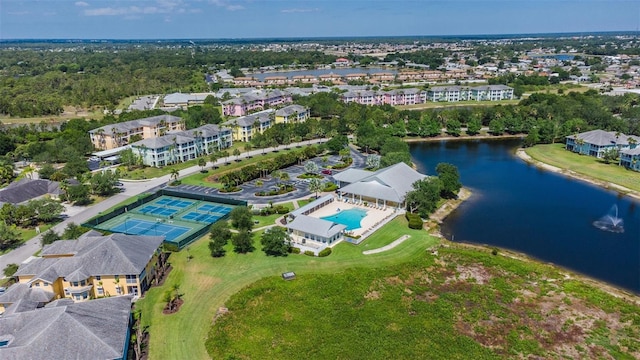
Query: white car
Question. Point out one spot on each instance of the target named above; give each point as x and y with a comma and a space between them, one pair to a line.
94, 158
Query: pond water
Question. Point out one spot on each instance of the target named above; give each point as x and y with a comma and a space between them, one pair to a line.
547, 216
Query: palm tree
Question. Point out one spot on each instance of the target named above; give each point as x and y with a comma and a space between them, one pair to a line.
174, 174
315, 186
632, 142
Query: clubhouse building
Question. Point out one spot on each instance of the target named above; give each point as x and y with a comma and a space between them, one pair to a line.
378, 196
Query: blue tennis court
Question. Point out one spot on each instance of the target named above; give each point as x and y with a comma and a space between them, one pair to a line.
215, 208
156, 210
201, 217
175, 203
150, 228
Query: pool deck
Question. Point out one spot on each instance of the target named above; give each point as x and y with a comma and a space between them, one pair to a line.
374, 216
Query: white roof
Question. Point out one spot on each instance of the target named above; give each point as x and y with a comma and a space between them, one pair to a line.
391, 183
316, 226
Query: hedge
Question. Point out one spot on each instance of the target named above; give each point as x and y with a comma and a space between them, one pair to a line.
324, 252
415, 222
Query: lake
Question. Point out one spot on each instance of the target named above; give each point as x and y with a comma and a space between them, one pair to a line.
544, 215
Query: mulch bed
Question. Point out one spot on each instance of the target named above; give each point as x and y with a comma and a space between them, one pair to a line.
177, 304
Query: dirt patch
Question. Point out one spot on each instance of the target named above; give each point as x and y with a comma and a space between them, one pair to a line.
372, 295
476, 273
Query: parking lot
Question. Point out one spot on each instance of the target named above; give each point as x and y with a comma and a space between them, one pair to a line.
268, 183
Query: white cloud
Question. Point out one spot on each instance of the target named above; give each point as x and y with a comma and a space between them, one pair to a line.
227, 5
81, 3
160, 7
297, 10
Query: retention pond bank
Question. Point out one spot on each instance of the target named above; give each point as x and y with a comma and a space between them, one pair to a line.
518, 206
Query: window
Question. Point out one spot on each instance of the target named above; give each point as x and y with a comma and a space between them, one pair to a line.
98, 278
66, 291
4, 343
83, 283
131, 279
77, 297
75, 283
37, 284
100, 290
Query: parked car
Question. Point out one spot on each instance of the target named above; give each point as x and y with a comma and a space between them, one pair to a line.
327, 171
94, 159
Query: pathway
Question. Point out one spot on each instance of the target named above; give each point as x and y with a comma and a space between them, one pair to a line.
397, 242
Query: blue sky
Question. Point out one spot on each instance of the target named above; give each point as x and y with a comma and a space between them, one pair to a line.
193, 19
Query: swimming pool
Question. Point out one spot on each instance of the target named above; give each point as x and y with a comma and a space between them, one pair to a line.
350, 218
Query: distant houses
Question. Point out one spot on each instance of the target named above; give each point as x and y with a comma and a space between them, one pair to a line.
254, 101
436, 94
244, 128
597, 142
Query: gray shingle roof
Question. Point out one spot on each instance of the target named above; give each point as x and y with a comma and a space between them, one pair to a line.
95, 329
291, 110
352, 175
133, 124
17, 292
602, 138
391, 183
115, 254
249, 120
28, 189
315, 226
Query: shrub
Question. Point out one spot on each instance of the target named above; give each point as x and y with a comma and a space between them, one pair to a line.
415, 222
329, 186
171, 247
309, 253
494, 251
324, 252
294, 250
282, 210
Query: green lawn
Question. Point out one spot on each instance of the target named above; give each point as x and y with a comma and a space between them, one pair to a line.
270, 219
207, 283
556, 155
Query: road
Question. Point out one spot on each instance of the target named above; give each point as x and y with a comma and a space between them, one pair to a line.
131, 189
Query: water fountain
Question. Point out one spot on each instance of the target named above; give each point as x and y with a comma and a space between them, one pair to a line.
610, 222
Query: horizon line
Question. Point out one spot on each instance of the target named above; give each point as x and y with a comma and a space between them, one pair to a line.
299, 38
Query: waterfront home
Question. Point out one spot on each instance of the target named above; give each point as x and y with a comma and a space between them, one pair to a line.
630, 158
597, 142
94, 266
292, 114
245, 127
117, 135
98, 329
181, 146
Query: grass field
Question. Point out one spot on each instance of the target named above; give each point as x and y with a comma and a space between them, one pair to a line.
556, 155
207, 283
458, 304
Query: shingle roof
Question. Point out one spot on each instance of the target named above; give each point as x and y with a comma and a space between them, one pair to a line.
602, 138
95, 329
115, 254
315, 226
352, 175
128, 125
391, 183
290, 110
27, 189
20, 291
249, 120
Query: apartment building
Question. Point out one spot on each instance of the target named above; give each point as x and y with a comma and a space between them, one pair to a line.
116, 135
245, 127
256, 100
93, 266
180, 146
465, 93
292, 114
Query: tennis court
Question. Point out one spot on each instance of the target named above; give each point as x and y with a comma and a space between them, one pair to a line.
173, 217
200, 217
150, 228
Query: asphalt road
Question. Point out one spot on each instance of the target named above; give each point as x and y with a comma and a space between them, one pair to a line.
131, 188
